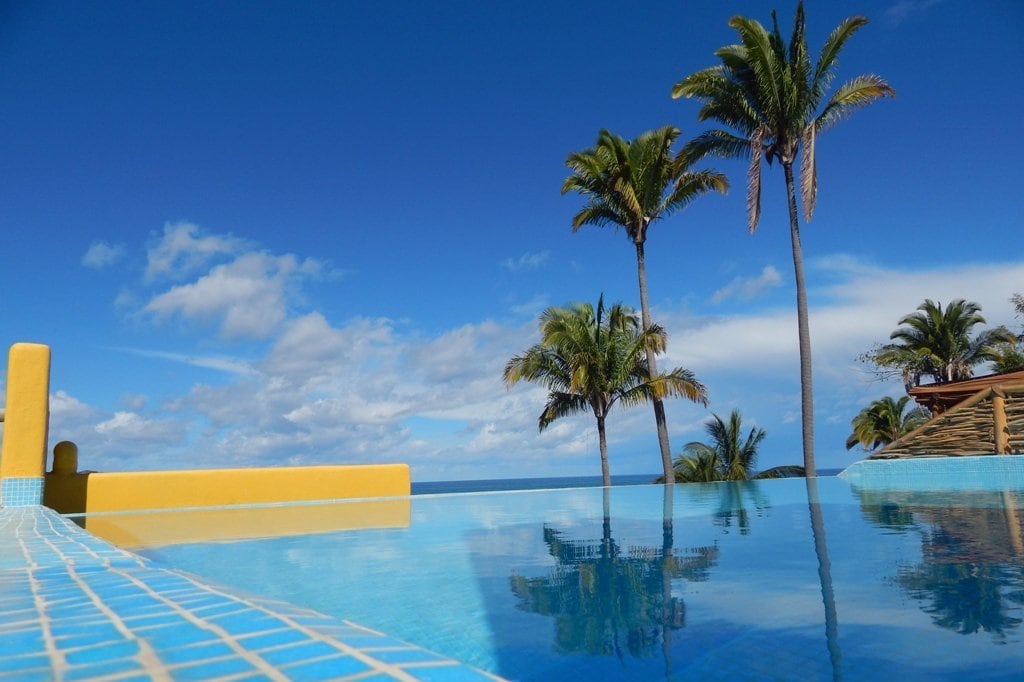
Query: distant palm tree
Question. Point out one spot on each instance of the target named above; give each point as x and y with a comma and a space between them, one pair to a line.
936, 342
884, 421
631, 184
728, 457
770, 92
1009, 355
590, 360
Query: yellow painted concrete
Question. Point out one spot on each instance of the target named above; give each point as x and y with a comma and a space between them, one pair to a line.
155, 529
144, 490
26, 415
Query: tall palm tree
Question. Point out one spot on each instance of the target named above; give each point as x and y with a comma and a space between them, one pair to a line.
776, 99
936, 342
884, 421
590, 360
728, 457
631, 184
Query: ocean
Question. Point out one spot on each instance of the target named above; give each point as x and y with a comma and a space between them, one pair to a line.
492, 485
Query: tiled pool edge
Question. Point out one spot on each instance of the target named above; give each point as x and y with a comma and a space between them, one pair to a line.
936, 472
73, 606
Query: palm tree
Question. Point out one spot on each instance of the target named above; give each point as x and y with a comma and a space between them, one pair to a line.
884, 421
729, 457
1009, 355
589, 361
936, 342
631, 184
770, 92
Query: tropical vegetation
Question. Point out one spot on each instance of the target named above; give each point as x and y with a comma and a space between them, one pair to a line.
1009, 355
728, 457
591, 358
632, 184
776, 101
938, 343
885, 421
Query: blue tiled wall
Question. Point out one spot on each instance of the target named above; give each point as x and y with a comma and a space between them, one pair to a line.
21, 492
987, 472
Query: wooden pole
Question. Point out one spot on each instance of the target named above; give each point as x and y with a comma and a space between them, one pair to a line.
1002, 435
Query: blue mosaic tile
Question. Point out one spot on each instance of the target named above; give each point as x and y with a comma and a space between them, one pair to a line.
406, 656
273, 639
242, 623
210, 669
91, 636
986, 472
92, 672
69, 568
103, 652
21, 641
196, 652
176, 635
21, 492
298, 652
325, 669
452, 673
28, 676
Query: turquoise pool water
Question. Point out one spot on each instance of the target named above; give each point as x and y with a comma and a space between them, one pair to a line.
756, 580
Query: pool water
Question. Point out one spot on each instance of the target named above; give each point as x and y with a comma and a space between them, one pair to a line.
781, 579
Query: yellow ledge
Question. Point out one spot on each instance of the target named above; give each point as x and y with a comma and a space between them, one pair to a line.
86, 492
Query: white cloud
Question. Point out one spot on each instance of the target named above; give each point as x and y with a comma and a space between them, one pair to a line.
220, 363
902, 10
746, 288
183, 248
101, 255
372, 390
528, 261
246, 298
132, 428
66, 408
531, 307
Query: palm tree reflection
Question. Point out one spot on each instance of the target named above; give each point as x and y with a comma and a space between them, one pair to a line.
971, 575
608, 599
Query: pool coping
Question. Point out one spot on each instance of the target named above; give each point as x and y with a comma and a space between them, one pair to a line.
74, 606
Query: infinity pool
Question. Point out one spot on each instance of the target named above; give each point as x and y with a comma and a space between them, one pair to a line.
760, 580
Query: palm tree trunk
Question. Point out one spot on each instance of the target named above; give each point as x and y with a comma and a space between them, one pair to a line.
659, 404
804, 332
606, 477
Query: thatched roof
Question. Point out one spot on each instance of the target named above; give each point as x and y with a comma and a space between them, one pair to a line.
970, 427
940, 397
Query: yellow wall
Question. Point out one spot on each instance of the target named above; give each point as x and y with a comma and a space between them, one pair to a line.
141, 490
154, 529
26, 414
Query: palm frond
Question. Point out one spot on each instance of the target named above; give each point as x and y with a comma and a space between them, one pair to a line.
830, 53
808, 172
720, 143
856, 93
755, 145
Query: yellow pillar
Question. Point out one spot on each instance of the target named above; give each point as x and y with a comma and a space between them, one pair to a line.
26, 422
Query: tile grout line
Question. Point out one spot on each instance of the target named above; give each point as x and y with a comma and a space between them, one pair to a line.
226, 637
147, 656
380, 666
58, 661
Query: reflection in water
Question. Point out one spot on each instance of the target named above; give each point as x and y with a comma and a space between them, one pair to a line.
609, 600
828, 597
971, 575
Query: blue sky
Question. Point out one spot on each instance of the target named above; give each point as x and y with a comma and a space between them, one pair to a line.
284, 233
